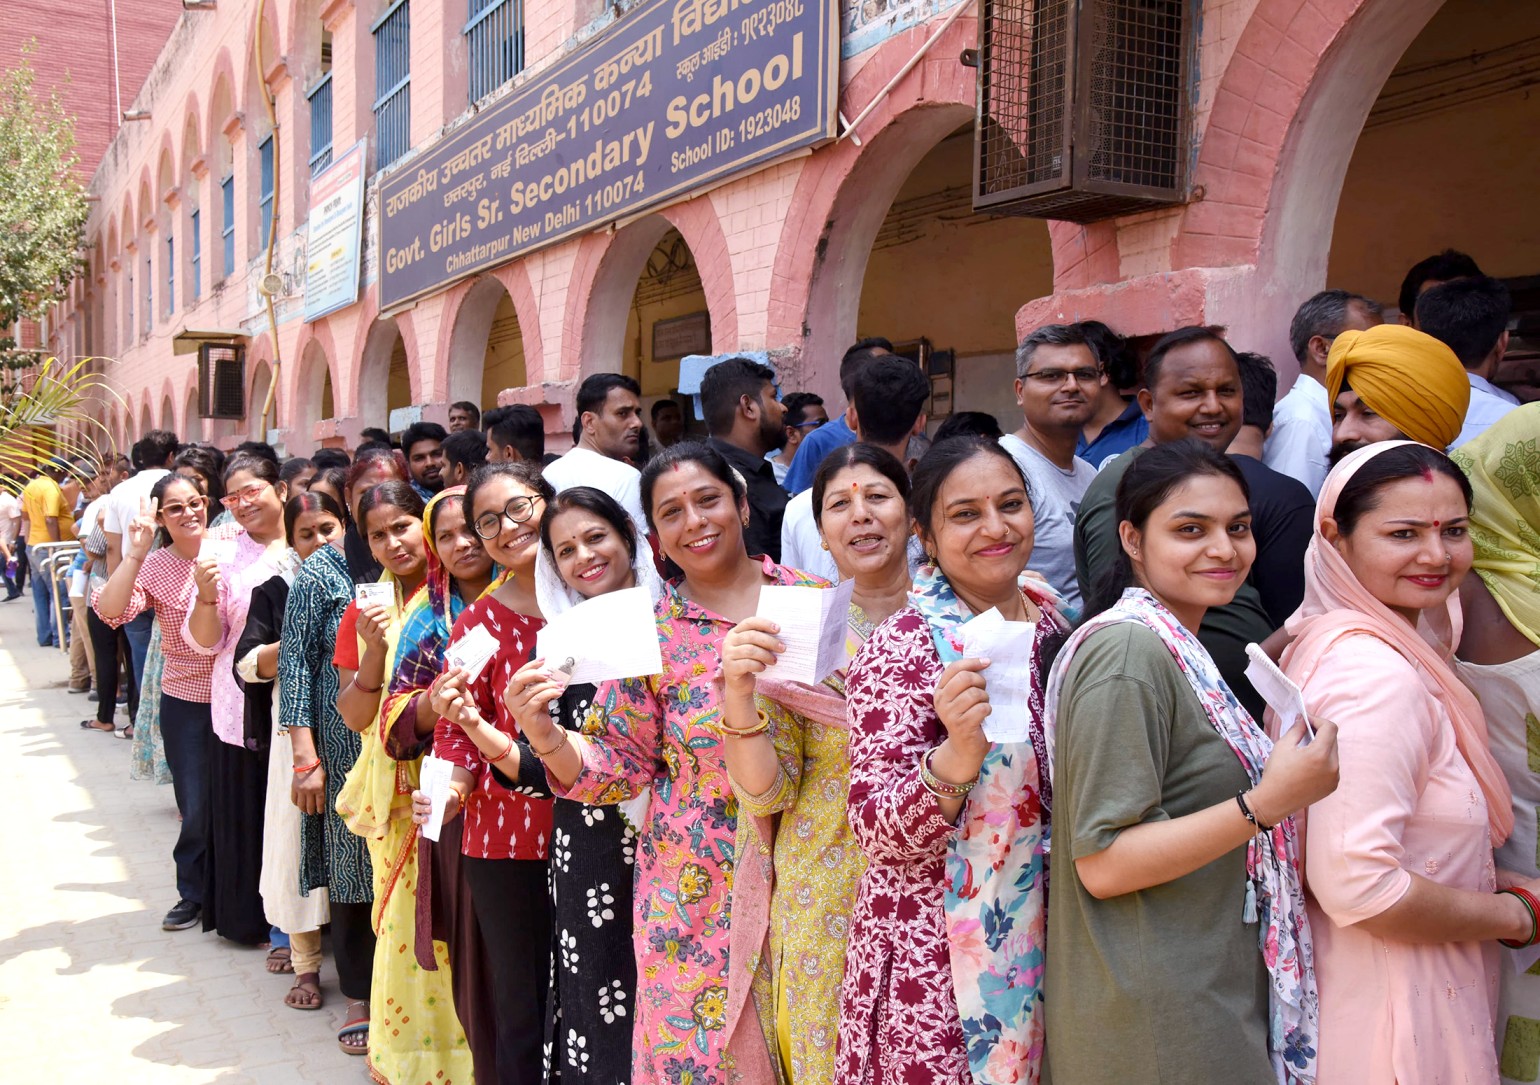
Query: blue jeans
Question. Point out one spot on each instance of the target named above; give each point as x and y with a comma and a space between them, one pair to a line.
42, 600
138, 633
186, 728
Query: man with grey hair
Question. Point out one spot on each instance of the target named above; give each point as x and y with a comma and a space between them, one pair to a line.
1057, 378
1300, 443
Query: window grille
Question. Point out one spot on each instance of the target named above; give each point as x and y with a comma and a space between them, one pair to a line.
265, 197
320, 98
227, 228
393, 82
170, 274
494, 39
149, 290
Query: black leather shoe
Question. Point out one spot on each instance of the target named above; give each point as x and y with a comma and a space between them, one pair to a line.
183, 914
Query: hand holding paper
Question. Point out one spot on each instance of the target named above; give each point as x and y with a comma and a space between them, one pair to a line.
471, 652
375, 594
220, 551
436, 776
813, 624
606, 638
1008, 678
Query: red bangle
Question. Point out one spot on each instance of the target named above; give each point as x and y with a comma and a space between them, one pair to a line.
1533, 907
508, 749
301, 769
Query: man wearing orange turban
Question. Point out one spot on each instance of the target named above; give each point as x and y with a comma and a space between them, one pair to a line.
1392, 382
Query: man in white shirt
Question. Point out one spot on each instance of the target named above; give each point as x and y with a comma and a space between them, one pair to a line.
10, 529
1470, 317
609, 407
152, 456
887, 407
1300, 441
1057, 380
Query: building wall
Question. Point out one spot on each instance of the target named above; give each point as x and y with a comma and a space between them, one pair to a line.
74, 56
796, 258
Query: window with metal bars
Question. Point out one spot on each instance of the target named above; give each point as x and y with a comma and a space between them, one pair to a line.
149, 292
265, 197
197, 255
170, 274
494, 40
320, 98
128, 300
227, 224
393, 82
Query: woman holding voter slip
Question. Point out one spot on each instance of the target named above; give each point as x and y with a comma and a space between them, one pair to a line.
1399, 861
177, 510
946, 940
589, 550
506, 833
798, 862
413, 1031
331, 855
232, 897
663, 733
1176, 861
310, 521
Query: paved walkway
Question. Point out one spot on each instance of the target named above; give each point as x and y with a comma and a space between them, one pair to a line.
91, 989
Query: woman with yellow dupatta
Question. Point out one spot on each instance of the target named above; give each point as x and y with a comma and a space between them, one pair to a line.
414, 1036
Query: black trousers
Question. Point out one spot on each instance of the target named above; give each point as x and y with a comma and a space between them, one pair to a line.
105, 645
353, 948
513, 908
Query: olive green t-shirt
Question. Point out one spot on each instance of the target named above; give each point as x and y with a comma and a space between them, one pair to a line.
1166, 984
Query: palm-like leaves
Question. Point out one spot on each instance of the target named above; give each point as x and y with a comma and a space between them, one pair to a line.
47, 413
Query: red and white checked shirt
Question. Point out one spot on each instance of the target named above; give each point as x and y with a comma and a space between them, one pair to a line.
165, 585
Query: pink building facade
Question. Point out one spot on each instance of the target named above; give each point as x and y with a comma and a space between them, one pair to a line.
859, 236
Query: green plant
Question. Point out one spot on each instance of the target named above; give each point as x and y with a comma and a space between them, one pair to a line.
47, 413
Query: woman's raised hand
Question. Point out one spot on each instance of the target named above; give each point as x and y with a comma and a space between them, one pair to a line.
528, 696
206, 578
141, 529
448, 698
748, 649
373, 621
962, 703
1299, 771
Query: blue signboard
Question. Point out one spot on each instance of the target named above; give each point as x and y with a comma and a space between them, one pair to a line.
678, 94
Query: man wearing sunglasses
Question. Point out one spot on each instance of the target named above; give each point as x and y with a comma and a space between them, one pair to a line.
804, 413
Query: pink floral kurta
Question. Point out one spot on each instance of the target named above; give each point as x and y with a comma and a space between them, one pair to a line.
661, 733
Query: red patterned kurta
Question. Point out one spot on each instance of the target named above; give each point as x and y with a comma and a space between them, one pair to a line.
899, 1021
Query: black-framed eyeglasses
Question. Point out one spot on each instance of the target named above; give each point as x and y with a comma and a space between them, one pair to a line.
1053, 377
518, 511
811, 423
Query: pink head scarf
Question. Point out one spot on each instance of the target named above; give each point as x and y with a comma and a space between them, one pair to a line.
1337, 605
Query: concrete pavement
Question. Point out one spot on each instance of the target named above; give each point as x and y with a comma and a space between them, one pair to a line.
91, 989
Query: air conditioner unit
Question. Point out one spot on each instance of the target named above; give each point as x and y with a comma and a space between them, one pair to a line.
1083, 107
221, 381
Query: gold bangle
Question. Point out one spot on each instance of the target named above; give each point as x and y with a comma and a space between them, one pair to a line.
554, 750
939, 787
745, 732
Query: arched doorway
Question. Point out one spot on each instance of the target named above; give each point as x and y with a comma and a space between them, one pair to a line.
946, 281
167, 414
1441, 162
313, 401
192, 425
385, 377
256, 425
487, 340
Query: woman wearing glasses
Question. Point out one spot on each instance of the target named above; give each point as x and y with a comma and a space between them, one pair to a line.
507, 831
163, 581
232, 898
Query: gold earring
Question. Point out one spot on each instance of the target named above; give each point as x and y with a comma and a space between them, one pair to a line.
824, 543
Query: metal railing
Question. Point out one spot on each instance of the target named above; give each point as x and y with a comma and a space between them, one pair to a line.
320, 98
55, 559
393, 80
494, 40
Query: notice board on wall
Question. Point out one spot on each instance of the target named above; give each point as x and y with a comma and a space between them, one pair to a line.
676, 95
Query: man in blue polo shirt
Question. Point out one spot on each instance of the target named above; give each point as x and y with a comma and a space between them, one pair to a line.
835, 433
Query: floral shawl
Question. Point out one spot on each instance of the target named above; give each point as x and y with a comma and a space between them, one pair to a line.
996, 889
1274, 889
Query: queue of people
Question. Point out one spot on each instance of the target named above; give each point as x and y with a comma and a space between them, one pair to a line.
713, 874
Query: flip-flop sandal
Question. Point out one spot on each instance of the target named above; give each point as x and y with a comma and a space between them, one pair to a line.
95, 725
306, 983
279, 960
125, 733
357, 1026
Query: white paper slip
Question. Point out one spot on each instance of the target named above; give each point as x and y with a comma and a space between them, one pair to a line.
221, 550
813, 622
1278, 690
1008, 678
471, 652
375, 594
607, 637
436, 776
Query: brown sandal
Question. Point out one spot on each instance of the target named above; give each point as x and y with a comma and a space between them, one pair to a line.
306, 992
279, 960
